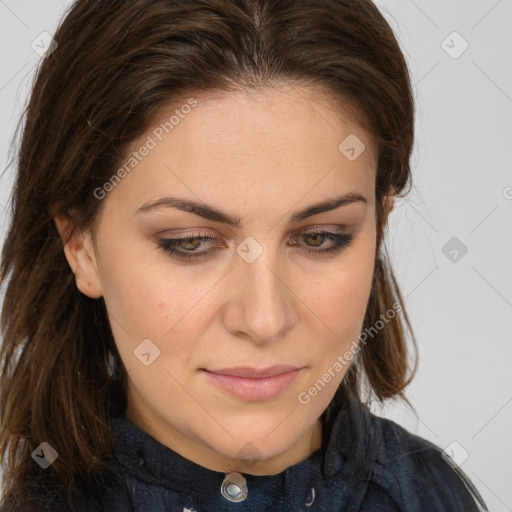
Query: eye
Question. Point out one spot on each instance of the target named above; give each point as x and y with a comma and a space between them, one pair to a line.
185, 248
317, 237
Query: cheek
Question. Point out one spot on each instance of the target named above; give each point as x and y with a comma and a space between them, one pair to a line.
149, 298
340, 297
150, 304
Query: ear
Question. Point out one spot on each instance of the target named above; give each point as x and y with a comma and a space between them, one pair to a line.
79, 252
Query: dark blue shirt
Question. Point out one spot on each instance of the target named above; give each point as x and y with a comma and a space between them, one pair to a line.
366, 464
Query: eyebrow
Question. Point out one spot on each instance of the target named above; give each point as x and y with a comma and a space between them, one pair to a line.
216, 215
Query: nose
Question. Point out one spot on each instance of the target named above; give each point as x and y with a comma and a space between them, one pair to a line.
262, 304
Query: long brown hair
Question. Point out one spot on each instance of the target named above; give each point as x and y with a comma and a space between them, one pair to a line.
116, 65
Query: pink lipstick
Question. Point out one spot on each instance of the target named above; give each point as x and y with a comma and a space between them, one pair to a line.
254, 384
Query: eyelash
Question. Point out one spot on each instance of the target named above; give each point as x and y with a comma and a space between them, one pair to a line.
169, 245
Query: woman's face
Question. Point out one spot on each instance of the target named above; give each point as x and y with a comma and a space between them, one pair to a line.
266, 286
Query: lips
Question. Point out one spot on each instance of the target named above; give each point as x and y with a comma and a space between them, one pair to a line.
251, 384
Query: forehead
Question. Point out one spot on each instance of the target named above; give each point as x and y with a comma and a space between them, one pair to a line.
274, 140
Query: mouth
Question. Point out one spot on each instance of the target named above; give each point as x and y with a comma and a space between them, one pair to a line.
253, 384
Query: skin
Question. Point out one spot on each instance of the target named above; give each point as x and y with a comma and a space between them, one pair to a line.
261, 156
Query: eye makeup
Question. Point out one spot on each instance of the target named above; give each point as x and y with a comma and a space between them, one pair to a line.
186, 247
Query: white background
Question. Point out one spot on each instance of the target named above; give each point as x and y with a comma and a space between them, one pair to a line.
461, 310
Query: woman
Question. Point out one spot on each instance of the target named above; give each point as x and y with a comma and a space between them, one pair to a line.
179, 333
